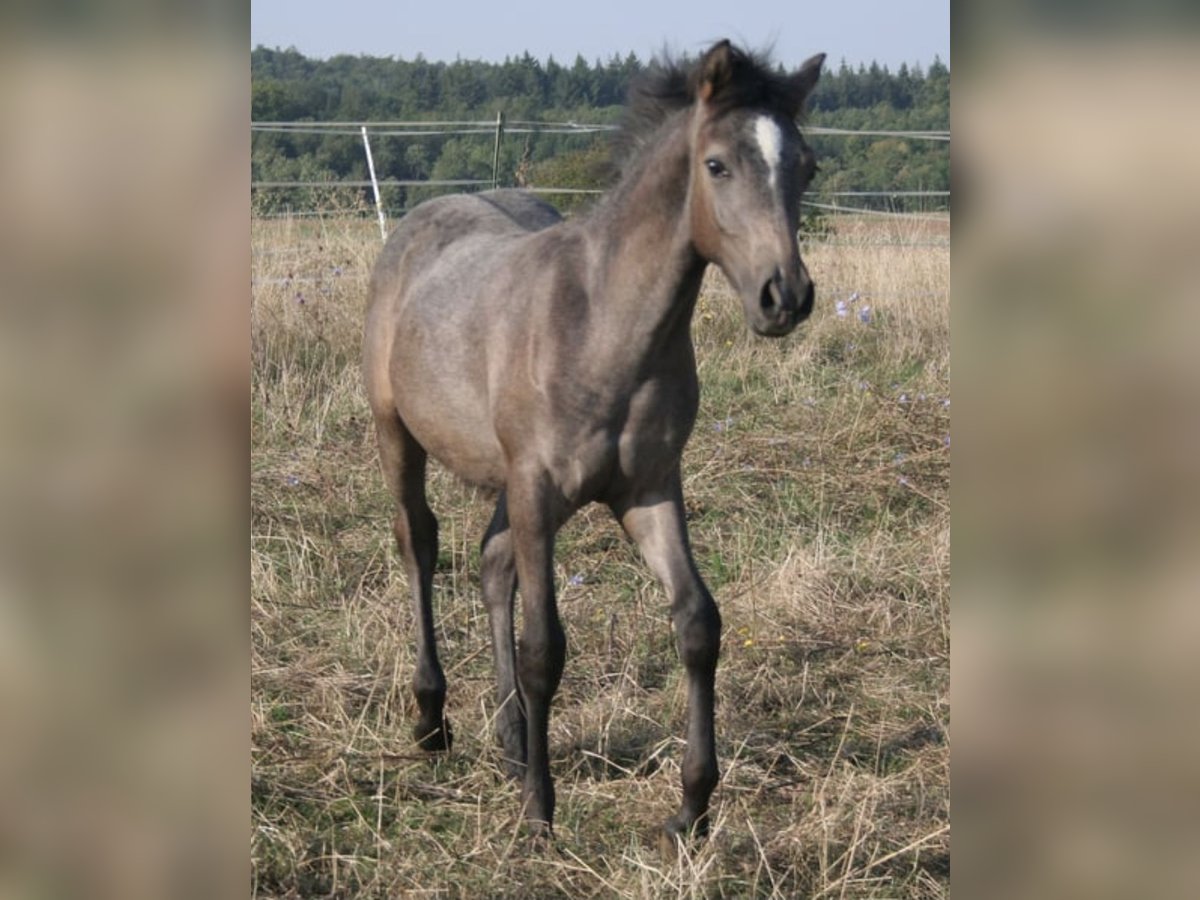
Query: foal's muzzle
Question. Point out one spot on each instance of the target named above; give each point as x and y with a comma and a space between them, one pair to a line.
783, 304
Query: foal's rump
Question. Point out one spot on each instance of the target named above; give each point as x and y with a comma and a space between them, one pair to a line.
434, 307
421, 245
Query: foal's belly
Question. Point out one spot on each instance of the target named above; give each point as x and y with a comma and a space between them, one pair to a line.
468, 450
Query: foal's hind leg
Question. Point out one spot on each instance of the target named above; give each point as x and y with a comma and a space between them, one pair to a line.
416, 531
498, 573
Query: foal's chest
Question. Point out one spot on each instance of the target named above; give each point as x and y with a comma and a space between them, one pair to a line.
652, 440
629, 444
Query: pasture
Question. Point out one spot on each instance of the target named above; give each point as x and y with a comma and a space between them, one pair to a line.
817, 483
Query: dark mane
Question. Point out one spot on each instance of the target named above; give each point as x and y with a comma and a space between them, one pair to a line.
669, 85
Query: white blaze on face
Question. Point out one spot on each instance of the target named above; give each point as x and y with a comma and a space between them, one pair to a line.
770, 142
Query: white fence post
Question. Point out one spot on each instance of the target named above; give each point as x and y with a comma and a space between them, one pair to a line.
496, 150
375, 186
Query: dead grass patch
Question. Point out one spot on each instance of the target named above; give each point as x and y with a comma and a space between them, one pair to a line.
818, 489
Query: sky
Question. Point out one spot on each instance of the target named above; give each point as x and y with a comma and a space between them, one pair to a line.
888, 31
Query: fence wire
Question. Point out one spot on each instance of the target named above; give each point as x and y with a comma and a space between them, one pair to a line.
500, 127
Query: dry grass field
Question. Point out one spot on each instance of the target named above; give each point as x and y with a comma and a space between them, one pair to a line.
817, 482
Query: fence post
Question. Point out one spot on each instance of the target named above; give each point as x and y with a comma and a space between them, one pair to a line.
375, 186
496, 150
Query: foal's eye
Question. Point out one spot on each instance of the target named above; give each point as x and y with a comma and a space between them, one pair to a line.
716, 168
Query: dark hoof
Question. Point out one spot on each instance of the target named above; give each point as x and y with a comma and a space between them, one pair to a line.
676, 833
434, 738
541, 836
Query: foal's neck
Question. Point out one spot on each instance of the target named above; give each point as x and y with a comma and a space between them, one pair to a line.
649, 271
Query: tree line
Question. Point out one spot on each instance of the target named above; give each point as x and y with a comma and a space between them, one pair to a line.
290, 87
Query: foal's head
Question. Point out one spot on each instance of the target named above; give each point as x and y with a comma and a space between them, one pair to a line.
749, 166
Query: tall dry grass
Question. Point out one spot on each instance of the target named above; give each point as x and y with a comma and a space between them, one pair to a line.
817, 483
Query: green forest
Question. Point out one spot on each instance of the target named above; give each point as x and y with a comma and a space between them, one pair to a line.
289, 87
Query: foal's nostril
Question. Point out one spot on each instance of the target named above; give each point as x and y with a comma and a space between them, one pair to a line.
769, 299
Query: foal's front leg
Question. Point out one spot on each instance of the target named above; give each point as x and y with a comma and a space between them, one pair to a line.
655, 520
534, 519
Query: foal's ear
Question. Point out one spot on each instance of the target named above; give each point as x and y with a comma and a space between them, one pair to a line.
716, 69
805, 80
